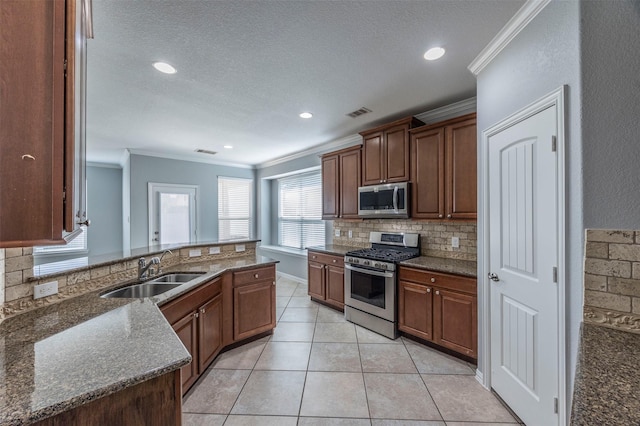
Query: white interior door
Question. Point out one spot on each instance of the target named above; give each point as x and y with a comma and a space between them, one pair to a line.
172, 214
523, 260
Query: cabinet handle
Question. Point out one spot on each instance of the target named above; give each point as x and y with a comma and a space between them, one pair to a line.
27, 156
437, 293
433, 280
88, 222
428, 290
196, 315
273, 282
334, 261
255, 276
202, 311
440, 216
313, 257
449, 216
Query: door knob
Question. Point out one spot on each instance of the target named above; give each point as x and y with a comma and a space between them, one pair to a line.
493, 277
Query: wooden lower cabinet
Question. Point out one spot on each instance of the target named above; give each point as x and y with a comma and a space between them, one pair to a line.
196, 317
440, 308
253, 309
326, 278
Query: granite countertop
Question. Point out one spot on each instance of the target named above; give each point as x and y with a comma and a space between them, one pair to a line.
66, 354
465, 268
333, 249
606, 390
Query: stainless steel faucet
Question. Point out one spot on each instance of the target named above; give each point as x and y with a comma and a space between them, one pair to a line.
146, 270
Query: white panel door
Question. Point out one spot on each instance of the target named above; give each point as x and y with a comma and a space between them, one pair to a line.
523, 236
172, 213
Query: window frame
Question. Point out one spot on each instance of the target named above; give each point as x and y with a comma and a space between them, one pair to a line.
250, 218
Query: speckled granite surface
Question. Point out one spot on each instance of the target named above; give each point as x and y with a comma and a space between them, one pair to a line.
66, 354
607, 381
439, 264
333, 249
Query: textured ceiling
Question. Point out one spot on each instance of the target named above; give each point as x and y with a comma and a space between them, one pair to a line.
246, 69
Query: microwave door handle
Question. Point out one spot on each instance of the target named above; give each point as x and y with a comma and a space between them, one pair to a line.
370, 272
395, 198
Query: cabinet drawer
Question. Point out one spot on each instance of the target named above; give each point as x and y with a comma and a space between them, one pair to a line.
327, 259
447, 281
178, 308
252, 276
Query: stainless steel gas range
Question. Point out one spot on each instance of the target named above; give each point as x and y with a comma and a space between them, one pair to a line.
370, 280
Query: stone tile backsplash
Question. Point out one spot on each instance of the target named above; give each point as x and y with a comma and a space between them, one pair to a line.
16, 270
435, 235
612, 278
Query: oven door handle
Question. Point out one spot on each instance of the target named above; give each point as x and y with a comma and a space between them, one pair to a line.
370, 272
395, 198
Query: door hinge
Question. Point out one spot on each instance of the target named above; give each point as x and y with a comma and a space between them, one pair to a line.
64, 195
555, 274
65, 64
554, 144
555, 405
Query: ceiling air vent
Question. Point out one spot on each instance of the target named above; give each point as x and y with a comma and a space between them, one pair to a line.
359, 112
206, 151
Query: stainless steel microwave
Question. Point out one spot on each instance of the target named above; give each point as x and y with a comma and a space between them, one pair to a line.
386, 201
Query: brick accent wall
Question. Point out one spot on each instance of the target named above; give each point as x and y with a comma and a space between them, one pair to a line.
435, 236
17, 272
612, 278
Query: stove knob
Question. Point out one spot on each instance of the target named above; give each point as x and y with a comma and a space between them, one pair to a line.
349, 259
377, 265
366, 262
383, 266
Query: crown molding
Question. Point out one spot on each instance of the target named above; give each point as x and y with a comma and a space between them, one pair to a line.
188, 158
466, 106
317, 149
516, 24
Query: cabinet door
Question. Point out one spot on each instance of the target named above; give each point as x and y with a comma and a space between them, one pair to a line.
415, 309
396, 155
335, 286
330, 187
349, 183
462, 170
32, 97
254, 309
372, 161
455, 321
209, 331
427, 174
315, 277
186, 329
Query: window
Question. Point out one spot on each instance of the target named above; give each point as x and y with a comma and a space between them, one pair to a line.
234, 208
77, 245
300, 210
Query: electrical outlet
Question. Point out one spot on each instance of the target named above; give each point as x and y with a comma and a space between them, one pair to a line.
195, 253
240, 247
350, 233
336, 232
455, 242
46, 289
214, 250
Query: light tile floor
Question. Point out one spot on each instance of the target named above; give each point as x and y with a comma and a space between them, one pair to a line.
318, 369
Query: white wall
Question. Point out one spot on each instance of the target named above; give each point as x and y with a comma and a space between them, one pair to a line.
544, 56
610, 56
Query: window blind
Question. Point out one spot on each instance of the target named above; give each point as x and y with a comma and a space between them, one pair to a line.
300, 210
79, 243
234, 208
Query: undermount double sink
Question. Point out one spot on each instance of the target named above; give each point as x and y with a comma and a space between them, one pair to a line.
154, 287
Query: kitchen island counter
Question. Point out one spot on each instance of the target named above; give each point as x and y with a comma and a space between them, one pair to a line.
333, 249
64, 355
465, 268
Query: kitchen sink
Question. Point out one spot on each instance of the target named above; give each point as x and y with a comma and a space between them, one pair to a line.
141, 290
176, 278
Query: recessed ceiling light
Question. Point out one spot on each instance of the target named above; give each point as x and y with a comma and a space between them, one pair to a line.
434, 53
306, 115
228, 147
164, 67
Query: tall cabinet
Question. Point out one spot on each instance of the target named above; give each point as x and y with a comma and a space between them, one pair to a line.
444, 169
41, 56
340, 182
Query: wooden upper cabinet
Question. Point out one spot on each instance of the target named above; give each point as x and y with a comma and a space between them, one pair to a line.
349, 183
444, 170
37, 130
385, 152
330, 187
340, 182
427, 173
462, 170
